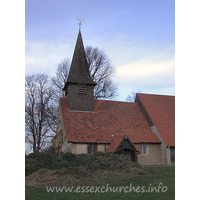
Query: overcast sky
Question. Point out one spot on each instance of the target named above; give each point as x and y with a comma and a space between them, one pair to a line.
137, 35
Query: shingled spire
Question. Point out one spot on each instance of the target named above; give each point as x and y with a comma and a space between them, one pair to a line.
79, 87
79, 71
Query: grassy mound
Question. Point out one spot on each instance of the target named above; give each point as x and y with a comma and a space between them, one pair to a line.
82, 164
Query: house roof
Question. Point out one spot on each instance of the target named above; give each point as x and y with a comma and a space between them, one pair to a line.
79, 71
116, 140
115, 143
109, 118
161, 110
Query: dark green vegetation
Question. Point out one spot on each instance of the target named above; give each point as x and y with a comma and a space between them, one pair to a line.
73, 163
98, 169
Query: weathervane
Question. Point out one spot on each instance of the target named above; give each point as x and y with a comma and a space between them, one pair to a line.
80, 20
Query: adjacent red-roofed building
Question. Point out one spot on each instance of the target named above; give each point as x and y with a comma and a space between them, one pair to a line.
159, 111
143, 130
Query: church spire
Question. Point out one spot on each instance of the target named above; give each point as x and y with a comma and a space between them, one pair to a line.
79, 88
79, 71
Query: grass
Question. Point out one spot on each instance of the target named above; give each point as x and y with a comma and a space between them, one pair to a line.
156, 175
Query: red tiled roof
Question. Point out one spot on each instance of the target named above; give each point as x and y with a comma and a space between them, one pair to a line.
137, 147
110, 118
161, 109
116, 140
115, 143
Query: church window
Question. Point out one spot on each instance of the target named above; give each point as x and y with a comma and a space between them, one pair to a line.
143, 149
81, 89
89, 148
92, 148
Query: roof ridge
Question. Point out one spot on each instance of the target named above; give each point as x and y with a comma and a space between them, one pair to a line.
114, 101
155, 94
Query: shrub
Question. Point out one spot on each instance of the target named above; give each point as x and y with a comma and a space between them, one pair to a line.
32, 155
31, 166
111, 156
82, 159
78, 164
68, 156
36, 161
98, 153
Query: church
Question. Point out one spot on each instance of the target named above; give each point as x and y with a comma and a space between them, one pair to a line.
144, 130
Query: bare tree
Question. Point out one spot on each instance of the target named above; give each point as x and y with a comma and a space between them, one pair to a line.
101, 71
38, 94
60, 77
57, 84
131, 97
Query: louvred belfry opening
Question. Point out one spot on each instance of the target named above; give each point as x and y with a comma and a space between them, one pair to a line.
79, 88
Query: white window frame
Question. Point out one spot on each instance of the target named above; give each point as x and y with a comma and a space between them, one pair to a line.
142, 149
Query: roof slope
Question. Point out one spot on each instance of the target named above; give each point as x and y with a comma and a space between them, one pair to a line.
161, 109
116, 140
110, 118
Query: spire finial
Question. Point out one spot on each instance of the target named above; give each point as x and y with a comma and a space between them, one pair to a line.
80, 20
